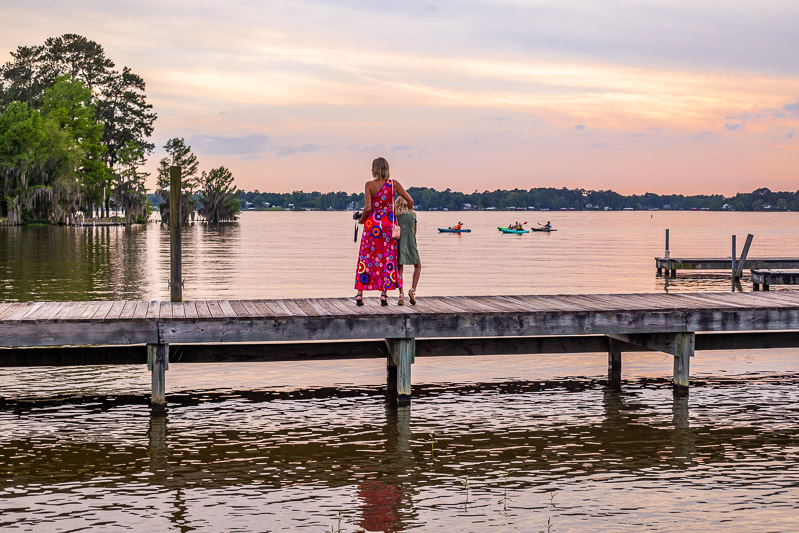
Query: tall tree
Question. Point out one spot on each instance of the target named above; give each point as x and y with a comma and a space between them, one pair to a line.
68, 102
218, 201
38, 159
181, 156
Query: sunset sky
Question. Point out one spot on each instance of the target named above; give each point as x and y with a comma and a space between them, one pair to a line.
665, 96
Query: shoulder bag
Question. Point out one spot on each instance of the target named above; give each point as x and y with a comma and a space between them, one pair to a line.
396, 230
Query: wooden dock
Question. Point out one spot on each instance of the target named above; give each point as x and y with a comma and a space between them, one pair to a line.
337, 328
774, 277
669, 266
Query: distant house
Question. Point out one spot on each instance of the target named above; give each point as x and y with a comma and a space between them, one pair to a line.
467, 207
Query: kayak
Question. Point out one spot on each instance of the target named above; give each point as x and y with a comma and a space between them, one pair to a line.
517, 231
447, 230
542, 229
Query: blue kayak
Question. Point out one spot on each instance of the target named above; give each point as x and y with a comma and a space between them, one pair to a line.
517, 231
447, 230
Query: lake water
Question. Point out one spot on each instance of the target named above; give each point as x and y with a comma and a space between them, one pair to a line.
506, 443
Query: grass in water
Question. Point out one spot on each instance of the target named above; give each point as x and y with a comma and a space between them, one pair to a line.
505, 499
432, 439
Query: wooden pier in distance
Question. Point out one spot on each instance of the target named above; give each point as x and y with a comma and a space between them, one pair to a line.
669, 266
330, 328
774, 277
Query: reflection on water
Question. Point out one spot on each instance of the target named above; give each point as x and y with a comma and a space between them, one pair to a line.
608, 461
248, 447
311, 254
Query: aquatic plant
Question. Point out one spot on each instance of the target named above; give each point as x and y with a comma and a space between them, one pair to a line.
505, 499
432, 439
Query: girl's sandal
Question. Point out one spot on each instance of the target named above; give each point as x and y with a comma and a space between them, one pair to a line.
358, 299
412, 296
401, 300
383, 300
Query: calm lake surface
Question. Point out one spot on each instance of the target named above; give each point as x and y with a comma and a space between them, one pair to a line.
540, 442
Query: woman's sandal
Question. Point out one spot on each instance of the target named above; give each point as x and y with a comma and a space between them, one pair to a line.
359, 299
383, 300
401, 300
412, 296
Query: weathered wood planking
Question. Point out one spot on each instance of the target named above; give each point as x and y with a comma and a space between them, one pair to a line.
709, 263
774, 277
295, 320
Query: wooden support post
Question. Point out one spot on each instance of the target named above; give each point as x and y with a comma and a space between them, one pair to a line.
734, 252
157, 364
175, 222
402, 353
682, 362
740, 266
755, 286
765, 286
673, 272
391, 375
659, 272
681, 345
667, 253
614, 364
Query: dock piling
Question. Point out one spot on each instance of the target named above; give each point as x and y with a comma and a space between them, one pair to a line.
157, 364
681, 345
740, 266
685, 345
175, 268
614, 364
402, 353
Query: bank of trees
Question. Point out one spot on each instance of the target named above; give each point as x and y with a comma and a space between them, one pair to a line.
762, 199
74, 133
211, 195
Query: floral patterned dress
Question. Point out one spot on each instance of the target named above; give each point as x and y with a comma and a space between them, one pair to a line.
377, 260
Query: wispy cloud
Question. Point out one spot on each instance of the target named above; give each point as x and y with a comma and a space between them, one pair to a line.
579, 127
248, 146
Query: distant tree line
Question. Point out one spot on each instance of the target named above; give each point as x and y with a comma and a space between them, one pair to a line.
538, 198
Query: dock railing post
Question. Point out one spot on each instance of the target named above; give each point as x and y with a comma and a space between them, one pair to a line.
667, 253
157, 363
742, 261
175, 275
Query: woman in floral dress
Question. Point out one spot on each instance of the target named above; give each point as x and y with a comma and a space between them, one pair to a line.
377, 259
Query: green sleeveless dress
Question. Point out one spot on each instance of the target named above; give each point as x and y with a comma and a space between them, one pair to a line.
407, 253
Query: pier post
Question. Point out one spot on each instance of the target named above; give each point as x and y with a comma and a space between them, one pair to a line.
667, 253
614, 364
157, 364
684, 350
402, 353
680, 344
739, 268
175, 221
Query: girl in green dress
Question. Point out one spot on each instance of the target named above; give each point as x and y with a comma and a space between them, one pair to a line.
407, 253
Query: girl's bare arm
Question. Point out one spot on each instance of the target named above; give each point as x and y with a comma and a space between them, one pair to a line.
401, 191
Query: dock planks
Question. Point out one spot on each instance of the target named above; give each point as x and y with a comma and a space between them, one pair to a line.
132, 322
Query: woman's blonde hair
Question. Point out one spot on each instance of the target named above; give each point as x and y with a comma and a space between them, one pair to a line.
380, 168
401, 206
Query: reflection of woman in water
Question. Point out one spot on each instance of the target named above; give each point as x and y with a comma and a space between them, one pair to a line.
380, 507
